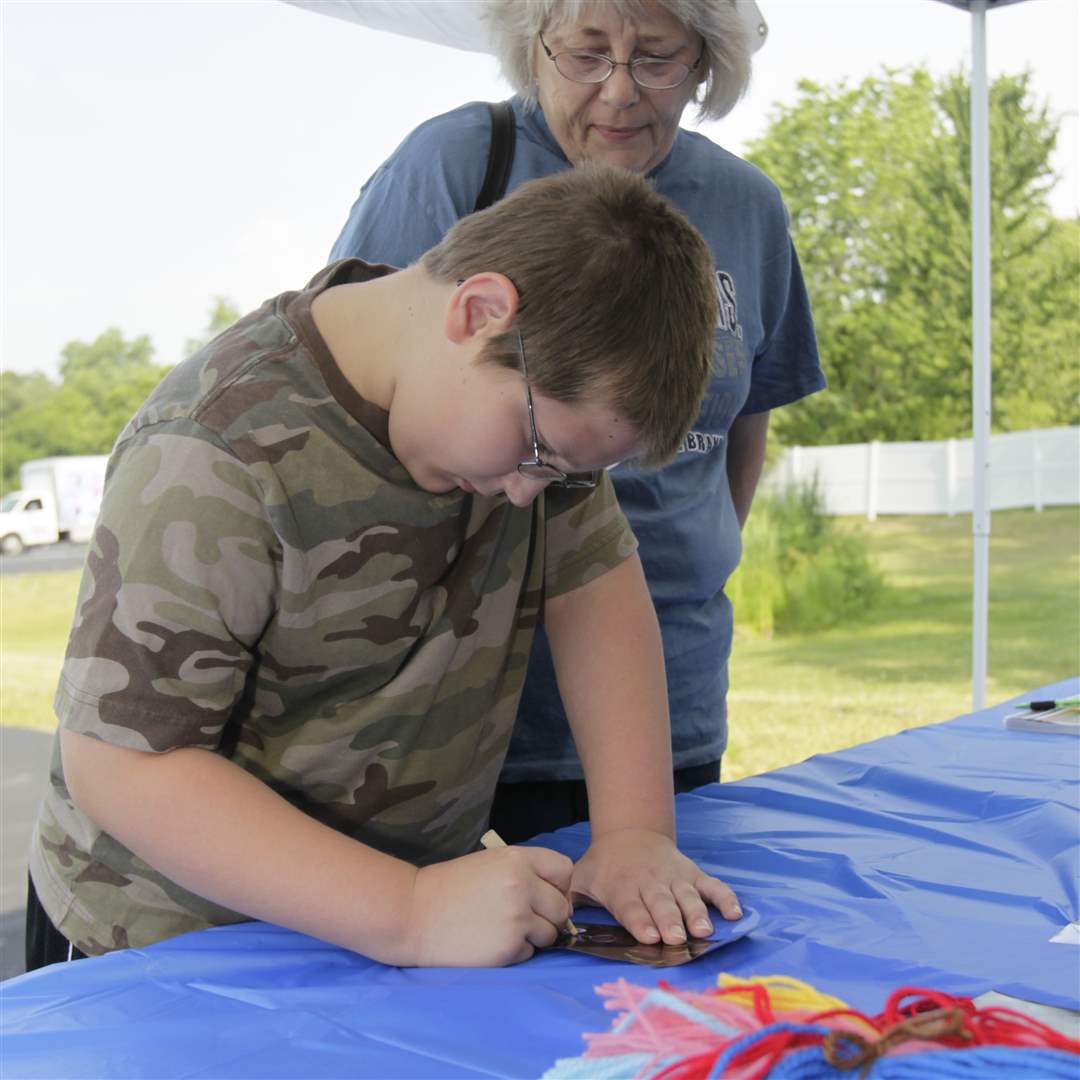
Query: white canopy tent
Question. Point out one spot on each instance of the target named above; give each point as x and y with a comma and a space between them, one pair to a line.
458, 23
981, 395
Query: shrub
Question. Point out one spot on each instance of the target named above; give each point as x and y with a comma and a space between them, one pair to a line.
798, 571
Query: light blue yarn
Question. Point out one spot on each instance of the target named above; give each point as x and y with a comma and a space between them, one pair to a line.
664, 999
616, 1067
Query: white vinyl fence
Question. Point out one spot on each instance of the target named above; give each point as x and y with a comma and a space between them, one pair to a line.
1034, 468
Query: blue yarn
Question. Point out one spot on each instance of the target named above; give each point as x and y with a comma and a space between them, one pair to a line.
979, 1062
720, 1066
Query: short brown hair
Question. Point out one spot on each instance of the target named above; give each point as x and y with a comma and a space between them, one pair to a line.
617, 295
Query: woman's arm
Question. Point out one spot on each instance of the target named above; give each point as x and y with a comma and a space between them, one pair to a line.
747, 438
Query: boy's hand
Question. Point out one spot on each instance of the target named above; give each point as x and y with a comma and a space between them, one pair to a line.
490, 908
650, 887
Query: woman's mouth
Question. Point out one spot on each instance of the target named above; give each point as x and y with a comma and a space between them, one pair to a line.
617, 134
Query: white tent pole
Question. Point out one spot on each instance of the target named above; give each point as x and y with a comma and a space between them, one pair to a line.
980, 347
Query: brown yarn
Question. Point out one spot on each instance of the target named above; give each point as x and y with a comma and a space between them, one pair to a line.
848, 1050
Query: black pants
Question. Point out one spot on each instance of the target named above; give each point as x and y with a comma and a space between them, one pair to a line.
536, 806
44, 943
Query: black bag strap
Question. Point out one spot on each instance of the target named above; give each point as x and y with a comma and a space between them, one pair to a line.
500, 155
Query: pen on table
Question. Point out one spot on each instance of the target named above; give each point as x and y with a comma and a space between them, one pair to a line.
1046, 706
491, 839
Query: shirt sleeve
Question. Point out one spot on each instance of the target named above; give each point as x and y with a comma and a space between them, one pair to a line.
787, 366
587, 535
179, 583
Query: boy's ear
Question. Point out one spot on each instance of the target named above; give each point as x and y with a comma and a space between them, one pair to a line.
484, 304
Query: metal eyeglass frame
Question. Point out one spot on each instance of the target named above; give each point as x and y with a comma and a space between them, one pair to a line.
536, 468
630, 65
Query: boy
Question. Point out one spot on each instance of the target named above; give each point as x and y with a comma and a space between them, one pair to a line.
324, 546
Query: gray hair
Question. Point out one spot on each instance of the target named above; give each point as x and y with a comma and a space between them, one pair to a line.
515, 24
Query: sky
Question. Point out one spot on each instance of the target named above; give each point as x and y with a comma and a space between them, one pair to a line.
159, 153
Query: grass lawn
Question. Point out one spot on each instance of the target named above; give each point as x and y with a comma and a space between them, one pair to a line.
905, 664
909, 662
35, 618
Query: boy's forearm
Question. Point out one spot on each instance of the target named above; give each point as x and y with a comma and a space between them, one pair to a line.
608, 656
609, 661
218, 831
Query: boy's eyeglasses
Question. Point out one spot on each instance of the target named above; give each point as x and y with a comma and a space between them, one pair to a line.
649, 72
536, 468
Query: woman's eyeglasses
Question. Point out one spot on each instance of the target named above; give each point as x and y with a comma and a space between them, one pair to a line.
649, 72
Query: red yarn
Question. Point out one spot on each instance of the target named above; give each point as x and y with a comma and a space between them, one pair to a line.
696, 1067
769, 1048
994, 1025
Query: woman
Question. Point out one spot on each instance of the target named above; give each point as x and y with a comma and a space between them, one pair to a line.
609, 80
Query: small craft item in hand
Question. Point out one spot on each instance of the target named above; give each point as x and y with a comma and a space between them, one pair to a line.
609, 941
616, 943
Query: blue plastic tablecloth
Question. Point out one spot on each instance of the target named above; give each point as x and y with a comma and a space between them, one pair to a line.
946, 856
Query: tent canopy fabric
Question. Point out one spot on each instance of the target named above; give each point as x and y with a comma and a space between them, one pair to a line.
966, 5
457, 23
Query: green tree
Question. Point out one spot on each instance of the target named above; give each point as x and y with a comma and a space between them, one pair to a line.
101, 384
223, 313
876, 177
19, 394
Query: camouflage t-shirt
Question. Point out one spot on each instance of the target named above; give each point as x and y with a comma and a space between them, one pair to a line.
267, 582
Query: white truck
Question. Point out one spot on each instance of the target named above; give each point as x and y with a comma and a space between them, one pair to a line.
58, 499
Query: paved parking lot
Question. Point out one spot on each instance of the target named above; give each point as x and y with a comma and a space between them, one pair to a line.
24, 764
62, 556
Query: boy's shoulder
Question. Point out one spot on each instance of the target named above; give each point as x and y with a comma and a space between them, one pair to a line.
216, 385
268, 365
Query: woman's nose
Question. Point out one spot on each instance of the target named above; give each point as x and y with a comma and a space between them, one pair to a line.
619, 89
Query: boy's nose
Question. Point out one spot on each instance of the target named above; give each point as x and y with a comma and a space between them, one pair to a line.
521, 490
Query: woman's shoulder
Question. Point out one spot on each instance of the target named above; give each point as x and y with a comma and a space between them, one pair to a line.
466, 123
716, 169
444, 154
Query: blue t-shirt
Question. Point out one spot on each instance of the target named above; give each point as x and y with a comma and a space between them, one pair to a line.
766, 356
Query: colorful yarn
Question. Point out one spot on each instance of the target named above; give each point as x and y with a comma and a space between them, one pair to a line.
782, 991
778, 1028
979, 1063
